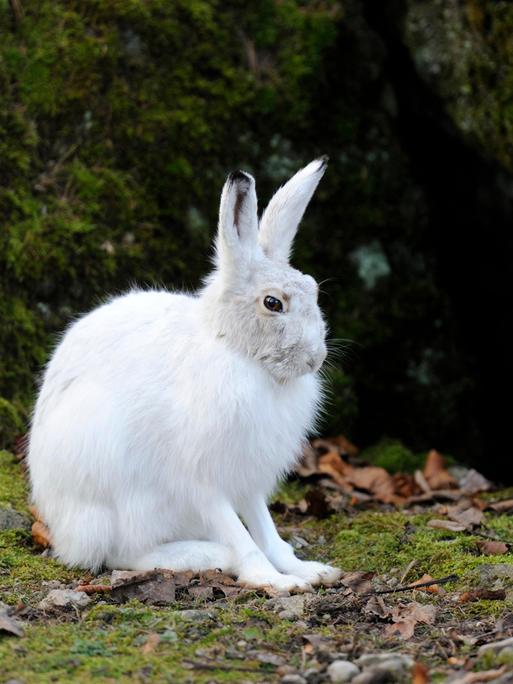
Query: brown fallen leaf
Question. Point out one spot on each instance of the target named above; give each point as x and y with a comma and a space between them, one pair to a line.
307, 466
406, 617
473, 482
404, 485
41, 534
155, 587
375, 480
493, 548
9, 625
431, 589
376, 606
344, 445
449, 525
150, 644
421, 482
358, 582
420, 674
479, 594
435, 472
501, 506
333, 465
466, 515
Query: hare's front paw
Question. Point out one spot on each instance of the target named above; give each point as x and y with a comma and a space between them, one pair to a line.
275, 582
316, 573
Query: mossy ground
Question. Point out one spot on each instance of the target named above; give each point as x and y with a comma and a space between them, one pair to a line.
226, 640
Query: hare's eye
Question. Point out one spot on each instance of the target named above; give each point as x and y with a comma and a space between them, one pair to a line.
273, 304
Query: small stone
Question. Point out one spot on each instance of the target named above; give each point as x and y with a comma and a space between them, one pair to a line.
293, 679
376, 675
490, 572
52, 584
64, 598
342, 671
196, 615
495, 646
289, 607
391, 662
13, 520
267, 658
298, 542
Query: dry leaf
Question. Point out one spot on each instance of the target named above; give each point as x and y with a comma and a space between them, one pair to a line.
344, 445
446, 525
155, 587
41, 534
358, 582
473, 482
151, 643
469, 517
375, 480
479, 594
493, 548
333, 465
432, 589
406, 617
308, 464
420, 674
376, 606
435, 472
501, 506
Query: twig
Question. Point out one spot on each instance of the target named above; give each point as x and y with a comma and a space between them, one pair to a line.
412, 587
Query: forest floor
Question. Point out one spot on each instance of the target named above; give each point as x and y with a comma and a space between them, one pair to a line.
369, 628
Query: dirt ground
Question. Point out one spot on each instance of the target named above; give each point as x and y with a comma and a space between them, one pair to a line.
372, 627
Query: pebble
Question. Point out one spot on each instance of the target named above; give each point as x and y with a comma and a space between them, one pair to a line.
375, 675
196, 615
489, 572
391, 662
495, 646
293, 679
64, 598
342, 671
288, 607
12, 520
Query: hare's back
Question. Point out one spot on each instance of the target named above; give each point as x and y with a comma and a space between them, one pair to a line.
127, 336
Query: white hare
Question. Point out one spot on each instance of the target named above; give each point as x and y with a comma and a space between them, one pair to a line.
164, 417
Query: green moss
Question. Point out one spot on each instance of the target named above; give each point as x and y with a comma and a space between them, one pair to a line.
385, 542
11, 423
13, 486
393, 456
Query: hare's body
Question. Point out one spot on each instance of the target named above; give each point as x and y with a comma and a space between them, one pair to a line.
155, 429
169, 435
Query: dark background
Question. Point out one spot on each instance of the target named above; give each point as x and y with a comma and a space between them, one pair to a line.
120, 120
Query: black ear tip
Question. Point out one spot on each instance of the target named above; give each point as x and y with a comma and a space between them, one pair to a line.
237, 176
324, 161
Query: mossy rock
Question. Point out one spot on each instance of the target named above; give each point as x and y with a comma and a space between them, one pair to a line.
11, 423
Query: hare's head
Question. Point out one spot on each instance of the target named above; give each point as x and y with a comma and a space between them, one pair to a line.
256, 302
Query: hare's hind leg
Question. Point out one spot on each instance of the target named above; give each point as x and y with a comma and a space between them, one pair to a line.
180, 556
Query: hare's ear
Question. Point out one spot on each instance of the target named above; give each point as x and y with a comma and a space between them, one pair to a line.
280, 221
237, 238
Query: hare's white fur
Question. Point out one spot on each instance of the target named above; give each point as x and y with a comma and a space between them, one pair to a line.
163, 418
